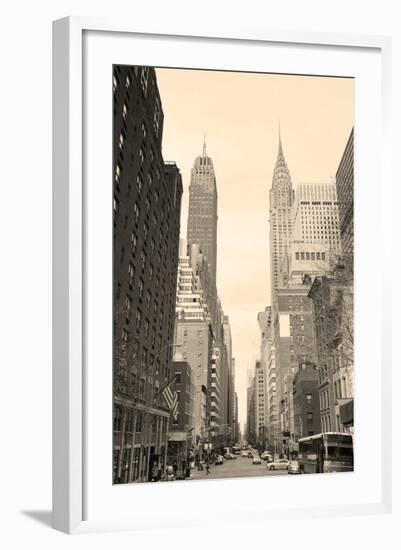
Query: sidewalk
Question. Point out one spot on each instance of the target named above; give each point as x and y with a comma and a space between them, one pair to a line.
199, 474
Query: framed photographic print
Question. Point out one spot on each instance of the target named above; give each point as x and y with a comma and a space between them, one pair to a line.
218, 317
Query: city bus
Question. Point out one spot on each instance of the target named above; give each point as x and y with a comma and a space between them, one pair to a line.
326, 452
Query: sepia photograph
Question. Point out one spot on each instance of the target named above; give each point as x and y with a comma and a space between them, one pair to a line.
233, 277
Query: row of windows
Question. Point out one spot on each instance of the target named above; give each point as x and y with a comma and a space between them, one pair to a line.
310, 256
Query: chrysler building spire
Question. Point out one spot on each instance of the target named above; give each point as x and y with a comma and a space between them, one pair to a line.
280, 148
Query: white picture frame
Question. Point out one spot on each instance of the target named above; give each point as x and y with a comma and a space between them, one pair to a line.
71, 419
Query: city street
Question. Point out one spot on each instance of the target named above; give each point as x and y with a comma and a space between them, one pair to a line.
241, 467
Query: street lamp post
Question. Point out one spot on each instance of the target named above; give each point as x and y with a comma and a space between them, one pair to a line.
147, 415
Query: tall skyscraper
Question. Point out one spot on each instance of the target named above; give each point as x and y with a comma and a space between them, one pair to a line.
281, 201
202, 216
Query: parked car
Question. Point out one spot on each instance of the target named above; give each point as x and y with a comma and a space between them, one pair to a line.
228, 456
256, 459
244, 453
293, 467
280, 464
250, 454
267, 456
218, 460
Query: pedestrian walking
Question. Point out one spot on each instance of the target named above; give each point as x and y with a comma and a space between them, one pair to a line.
207, 468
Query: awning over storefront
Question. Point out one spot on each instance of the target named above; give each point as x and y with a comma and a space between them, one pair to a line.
347, 412
177, 436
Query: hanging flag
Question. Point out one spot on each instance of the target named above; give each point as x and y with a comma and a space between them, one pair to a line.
171, 399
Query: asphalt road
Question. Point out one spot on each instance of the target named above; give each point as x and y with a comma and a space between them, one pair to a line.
240, 467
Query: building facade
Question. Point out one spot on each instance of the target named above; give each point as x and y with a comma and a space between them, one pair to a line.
230, 405
237, 432
345, 197
315, 216
306, 408
250, 416
146, 222
265, 327
260, 405
332, 299
194, 339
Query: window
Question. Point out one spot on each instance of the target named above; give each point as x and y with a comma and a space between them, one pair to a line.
146, 328
141, 156
144, 357
117, 176
139, 183
144, 79
129, 422
117, 419
297, 255
309, 397
145, 231
143, 260
140, 289
156, 117
124, 112
127, 82
115, 208
136, 213
134, 242
138, 318
135, 349
115, 83
121, 141
131, 273
127, 307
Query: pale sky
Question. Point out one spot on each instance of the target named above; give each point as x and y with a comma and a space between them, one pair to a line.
240, 114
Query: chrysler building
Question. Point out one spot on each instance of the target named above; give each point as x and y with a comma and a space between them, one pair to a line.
281, 201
